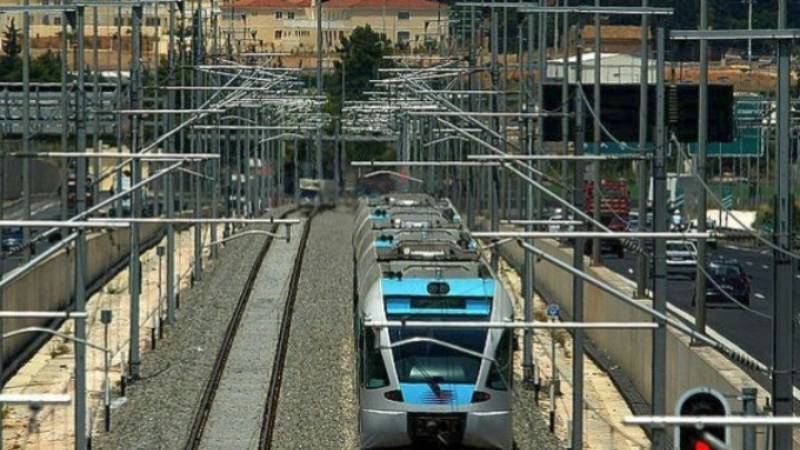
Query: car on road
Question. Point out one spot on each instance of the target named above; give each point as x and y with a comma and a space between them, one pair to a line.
710, 226
681, 258
12, 238
728, 280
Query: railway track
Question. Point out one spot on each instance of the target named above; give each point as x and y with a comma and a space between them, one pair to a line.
200, 421
271, 408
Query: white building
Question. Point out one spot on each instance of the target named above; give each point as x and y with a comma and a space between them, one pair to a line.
615, 68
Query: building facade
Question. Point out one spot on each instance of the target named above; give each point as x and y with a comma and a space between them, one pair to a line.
291, 25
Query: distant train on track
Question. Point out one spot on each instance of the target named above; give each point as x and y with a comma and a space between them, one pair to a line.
415, 261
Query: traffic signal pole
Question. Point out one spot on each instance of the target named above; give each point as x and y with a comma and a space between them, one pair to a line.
659, 343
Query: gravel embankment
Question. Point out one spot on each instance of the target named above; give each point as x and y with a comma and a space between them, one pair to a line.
317, 407
160, 407
531, 431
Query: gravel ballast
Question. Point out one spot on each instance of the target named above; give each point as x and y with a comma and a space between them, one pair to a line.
317, 407
161, 406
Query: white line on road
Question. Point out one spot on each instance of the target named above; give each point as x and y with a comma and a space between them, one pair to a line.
764, 266
749, 263
630, 271
759, 296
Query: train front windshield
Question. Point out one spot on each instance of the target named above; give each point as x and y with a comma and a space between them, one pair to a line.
427, 362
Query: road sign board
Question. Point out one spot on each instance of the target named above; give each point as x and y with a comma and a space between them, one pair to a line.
749, 114
552, 310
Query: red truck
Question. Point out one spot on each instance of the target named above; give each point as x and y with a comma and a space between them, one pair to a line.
615, 207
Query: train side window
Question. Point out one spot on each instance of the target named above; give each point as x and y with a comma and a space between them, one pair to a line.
500, 373
375, 370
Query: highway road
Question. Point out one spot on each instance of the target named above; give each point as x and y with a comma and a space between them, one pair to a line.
749, 331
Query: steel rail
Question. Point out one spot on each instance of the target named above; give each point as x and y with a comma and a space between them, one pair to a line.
195, 437
276, 377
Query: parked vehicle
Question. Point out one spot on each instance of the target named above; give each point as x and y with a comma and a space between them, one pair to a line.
681, 258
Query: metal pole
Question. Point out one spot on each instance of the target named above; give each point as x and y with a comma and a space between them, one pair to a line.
528, 275
97, 106
494, 188
750, 27
555, 383
749, 396
702, 145
118, 176
472, 199
64, 114
320, 174
659, 351
783, 276
80, 243
565, 91
577, 251
598, 191
26, 125
296, 169
135, 265
642, 165
171, 300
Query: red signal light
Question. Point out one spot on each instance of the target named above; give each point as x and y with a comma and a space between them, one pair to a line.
701, 445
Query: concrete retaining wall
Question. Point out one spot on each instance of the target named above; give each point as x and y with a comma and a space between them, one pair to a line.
50, 286
687, 367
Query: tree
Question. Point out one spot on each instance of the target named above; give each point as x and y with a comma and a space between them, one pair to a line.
46, 67
11, 38
361, 55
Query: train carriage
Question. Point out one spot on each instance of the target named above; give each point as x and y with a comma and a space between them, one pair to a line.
428, 385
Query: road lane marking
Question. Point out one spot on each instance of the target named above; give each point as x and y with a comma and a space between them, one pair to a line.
713, 333
764, 266
631, 271
749, 263
759, 296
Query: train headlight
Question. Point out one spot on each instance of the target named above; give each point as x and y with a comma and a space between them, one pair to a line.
479, 396
395, 396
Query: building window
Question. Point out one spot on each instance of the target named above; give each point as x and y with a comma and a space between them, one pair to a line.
56, 20
278, 34
152, 21
403, 15
403, 37
279, 14
45, 20
290, 15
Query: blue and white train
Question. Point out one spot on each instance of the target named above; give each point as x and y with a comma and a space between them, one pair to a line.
428, 385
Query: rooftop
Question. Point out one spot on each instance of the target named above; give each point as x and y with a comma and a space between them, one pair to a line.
371, 4
268, 4
389, 4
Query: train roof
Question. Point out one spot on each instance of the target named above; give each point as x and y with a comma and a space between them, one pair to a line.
401, 269
428, 251
405, 199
